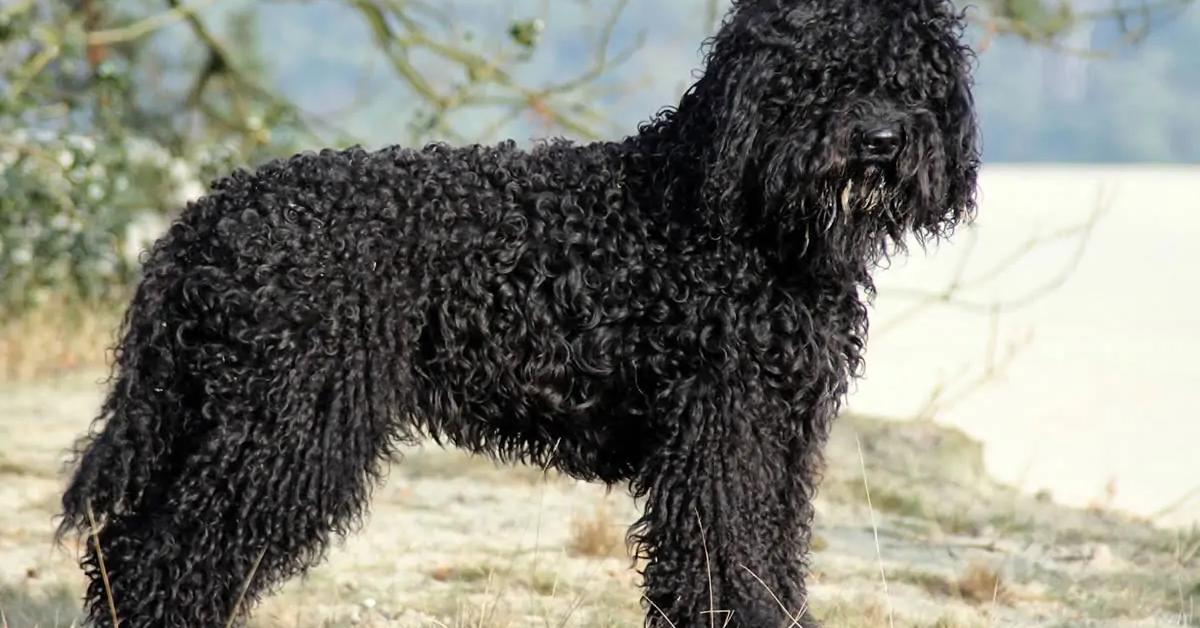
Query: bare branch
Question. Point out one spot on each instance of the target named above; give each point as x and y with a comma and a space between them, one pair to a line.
949, 295
995, 362
1045, 24
146, 26
945, 396
483, 71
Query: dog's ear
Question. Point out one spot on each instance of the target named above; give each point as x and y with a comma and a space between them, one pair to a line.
721, 125
963, 150
737, 119
731, 99
951, 191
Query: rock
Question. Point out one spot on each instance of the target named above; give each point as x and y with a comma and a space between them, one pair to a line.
1102, 558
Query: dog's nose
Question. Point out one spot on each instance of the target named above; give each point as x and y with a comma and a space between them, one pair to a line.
882, 143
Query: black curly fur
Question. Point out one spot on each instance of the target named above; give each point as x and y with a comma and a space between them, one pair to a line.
681, 310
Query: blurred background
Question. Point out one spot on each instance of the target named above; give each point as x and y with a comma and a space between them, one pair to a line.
1056, 337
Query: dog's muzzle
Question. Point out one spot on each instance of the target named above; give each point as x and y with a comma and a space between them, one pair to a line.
862, 193
880, 144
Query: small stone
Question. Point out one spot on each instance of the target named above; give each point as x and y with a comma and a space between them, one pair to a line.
1102, 558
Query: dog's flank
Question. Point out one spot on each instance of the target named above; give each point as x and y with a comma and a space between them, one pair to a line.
680, 310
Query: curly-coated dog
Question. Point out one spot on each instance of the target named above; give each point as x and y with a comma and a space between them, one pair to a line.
681, 310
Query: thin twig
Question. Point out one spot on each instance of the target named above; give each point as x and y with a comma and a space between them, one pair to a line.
108, 594
31, 71
660, 611
145, 26
948, 296
994, 23
245, 588
219, 54
707, 569
862, 461
482, 69
795, 618
1177, 504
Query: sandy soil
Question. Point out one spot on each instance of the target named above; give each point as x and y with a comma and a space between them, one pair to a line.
458, 542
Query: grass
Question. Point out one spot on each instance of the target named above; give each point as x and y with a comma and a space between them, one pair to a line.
22, 607
979, 584
897, 503
463, 574
489, 610
983, 584
866, 611
889, 497
597, 535
1132, 596
479, 595
430, 462
933, 583
476, 582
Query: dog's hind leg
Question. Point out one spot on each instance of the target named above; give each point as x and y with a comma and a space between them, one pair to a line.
278, 457
726, 513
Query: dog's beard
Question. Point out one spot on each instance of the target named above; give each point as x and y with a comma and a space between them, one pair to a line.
856, 212
861, 199
860, 215
870, 196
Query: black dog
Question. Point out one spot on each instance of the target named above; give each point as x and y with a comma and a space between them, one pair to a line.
681, 310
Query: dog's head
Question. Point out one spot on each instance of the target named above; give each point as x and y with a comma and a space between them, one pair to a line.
847, 122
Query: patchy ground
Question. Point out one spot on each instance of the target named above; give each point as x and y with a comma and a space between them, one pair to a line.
461, 543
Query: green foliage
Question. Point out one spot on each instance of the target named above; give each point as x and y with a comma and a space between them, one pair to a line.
90, 165
63, 211
527, 32
1036, 19
114, 114
75, 210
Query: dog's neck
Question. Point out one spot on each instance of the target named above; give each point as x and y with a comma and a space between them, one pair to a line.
668, 179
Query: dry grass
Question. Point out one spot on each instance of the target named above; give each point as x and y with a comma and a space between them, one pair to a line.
978, 584
467, 574
490, 611
429, 461
597, 535
56, 337
982, 584
22, 608
861, 612
960, 620
870, 611
470, 580
935, 584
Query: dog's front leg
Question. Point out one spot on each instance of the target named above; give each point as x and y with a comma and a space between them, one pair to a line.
727, 513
